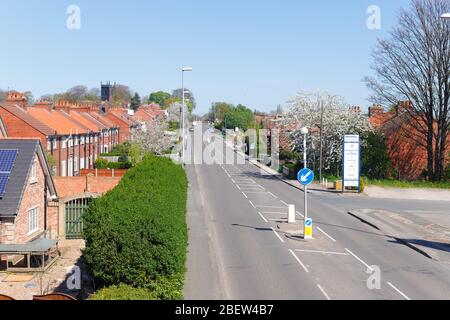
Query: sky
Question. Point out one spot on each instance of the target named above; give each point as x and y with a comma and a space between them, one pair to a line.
255, 52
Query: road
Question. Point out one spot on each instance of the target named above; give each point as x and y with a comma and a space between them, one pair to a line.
241, 248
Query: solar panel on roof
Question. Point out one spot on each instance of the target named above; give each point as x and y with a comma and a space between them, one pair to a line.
7, 158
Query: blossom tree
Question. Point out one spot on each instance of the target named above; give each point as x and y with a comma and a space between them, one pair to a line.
153, 138
321, 111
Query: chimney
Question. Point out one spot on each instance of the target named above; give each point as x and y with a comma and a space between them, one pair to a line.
404, 106
375, 110
17, 98
63, 105
47, 105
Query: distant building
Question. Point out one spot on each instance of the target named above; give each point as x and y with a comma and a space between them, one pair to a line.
107, 91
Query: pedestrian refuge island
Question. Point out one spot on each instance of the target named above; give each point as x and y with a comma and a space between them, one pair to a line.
35, 256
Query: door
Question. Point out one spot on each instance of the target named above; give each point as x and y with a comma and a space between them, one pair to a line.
74, 217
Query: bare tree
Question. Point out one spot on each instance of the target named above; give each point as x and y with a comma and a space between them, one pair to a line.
414, 65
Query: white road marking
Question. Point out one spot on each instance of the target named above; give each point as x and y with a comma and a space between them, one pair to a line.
254, 192
284, 203
359, 259
264, 218
245, 195
273, 195
401, 293
283, 213
324, 293
301, 215
271, 207
299, 261
233, 180
278, 236
238, 187
252, 204
322, 252
331, 238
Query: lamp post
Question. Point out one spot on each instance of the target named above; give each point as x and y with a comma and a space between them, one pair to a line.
446, 16
304, 131
183, 70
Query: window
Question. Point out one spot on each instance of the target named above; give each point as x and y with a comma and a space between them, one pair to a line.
70, 142
49, 145
64, 142
55, 144
76, 141
75, 164
33, 220
90, 160
82, 163
64, 168
33, 175
70, 163
82, 140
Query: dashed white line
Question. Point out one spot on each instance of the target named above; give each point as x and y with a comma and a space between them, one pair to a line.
278, 236
322, 252
270, 207
323, 292
245, 195
301, 215
284, 203
264, 218
359, 259
330, 237
401, 293
299, 261
252, 204
273, 195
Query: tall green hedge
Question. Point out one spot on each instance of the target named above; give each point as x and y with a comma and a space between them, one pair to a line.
137, 234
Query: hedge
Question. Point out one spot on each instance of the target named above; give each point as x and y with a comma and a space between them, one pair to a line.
121, 293
137, 234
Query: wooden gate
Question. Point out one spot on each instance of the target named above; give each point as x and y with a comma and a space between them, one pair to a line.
74, 217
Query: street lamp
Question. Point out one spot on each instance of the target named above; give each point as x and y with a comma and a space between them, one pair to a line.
183, 70
304, 131
446, 16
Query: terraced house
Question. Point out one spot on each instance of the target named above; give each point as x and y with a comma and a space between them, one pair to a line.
74, 134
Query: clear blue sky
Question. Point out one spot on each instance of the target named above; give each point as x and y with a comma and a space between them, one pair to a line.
255, 52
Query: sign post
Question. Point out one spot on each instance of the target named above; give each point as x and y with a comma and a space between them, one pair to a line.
306, 177
351, 162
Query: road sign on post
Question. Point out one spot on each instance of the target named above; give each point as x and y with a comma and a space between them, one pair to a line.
351, 162
306, 177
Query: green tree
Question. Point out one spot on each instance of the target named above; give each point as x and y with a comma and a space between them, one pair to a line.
240, 117
159, 97
376, 163
218, 111
135, 102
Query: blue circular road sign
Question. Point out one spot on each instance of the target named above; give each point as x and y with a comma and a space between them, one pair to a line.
308, 222
305, 177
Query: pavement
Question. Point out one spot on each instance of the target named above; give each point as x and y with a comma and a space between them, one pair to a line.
241, 246
424, 194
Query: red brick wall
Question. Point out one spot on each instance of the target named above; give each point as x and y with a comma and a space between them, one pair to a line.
72, 186
33, 197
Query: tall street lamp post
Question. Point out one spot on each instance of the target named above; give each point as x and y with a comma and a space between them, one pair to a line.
304, 132
446, 16
183, 70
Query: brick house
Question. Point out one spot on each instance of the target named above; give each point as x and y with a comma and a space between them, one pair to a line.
405, 146
24, 214
70, 132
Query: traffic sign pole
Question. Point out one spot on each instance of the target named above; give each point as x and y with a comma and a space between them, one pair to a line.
306, 177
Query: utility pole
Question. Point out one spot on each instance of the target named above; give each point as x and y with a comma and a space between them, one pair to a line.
321, 141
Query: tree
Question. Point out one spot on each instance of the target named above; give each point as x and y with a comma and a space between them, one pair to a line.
121, 95
239, 117
188, 96
218, 111
159, 97
413, 64
2, 95
376, 163
153, 138
135, 102
338, 120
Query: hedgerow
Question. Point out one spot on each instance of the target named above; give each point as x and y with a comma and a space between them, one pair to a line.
137, 234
